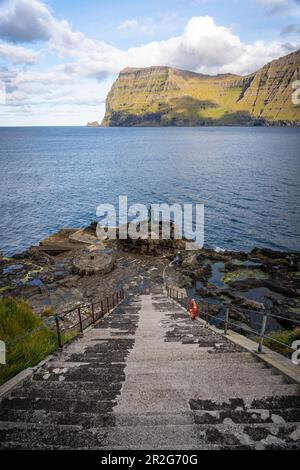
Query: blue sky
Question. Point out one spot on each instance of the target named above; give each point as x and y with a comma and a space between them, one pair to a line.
58, 58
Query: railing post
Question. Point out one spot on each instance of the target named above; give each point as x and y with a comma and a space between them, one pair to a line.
107, 304
93, 314
207, 313
117, 298
227, 320
80, 321
102, 309
262, 333
59, 341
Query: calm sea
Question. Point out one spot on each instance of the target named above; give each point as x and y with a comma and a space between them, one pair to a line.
248, 179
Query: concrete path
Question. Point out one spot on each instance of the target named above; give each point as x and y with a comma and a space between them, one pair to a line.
149, 378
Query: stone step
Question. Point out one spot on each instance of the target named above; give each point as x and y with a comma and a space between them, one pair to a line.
105, 357
102, 358
76, 406
250, 416
267, 403
151, 437
159, 354
102, 369
241, 382
205, 417
202, 436
89, 374
203, 367
277, 402
85, 420
161, 400
68, 392
33, 436
77, 387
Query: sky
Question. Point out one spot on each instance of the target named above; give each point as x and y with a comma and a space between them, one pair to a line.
59, 58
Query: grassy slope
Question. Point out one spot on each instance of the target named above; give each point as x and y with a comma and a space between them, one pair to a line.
17, 320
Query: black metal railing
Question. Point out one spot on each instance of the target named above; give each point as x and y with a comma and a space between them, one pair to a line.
78, 318
204, 313
83, 316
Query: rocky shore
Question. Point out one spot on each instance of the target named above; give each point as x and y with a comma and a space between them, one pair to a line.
73, 267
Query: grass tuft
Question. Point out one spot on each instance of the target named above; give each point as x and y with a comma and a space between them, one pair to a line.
286, 337
16, 321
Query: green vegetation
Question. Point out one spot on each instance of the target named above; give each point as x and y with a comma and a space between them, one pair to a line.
242, 274
284, 336
47, 313
5, 289
31, 274
27, 340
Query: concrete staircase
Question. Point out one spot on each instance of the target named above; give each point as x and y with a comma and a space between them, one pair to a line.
149, 378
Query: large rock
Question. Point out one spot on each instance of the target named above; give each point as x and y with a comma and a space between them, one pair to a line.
250, 304
93, 124
61, 242
88, 262
154, 244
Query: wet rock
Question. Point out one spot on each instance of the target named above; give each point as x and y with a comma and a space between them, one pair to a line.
212, 292
249, 304
265, 253
153, 243
59, 300
90, 262
236, 314
191, 261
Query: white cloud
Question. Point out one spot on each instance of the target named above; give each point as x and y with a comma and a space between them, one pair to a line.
203, 46
145, 26
17, 54
25, 20
226, 52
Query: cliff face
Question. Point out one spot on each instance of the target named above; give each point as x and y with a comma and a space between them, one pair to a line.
164, 96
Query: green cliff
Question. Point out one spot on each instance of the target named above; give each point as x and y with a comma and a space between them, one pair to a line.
164, 96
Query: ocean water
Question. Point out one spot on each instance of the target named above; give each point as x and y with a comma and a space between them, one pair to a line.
248, 179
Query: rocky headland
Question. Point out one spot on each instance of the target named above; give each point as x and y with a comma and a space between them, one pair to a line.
93, 124
165, 96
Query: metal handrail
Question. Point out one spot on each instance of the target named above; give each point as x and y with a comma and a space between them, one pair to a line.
106, 307
177, 295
